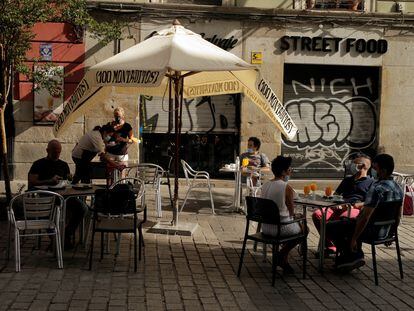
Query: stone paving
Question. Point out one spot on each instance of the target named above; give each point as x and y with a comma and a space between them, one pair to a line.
198, 273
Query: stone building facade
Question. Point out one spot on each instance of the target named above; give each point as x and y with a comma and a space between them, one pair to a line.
345, 78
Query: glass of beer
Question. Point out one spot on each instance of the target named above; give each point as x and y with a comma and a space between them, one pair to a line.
328, 191
306, 190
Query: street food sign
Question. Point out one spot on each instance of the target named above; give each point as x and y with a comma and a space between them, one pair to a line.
256, 58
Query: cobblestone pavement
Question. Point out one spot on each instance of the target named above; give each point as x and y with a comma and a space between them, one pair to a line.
198, 273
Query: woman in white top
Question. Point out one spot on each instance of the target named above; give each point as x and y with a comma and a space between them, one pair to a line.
280, 192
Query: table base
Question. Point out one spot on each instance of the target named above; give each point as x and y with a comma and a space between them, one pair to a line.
186, 229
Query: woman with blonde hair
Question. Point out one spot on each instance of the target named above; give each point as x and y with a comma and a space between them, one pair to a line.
123, 137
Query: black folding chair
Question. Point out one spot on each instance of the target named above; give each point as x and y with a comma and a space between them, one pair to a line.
112, 213
383, 229
264, 211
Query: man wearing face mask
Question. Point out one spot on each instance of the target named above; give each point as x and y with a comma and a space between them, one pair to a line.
90, 145
347, 232
353, 190
256, 160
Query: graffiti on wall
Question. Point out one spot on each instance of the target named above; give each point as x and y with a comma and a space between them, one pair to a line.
336, 110
205, 114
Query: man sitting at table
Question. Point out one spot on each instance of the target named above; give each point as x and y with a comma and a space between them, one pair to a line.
347, 232
49, 171
353, 189
256, 160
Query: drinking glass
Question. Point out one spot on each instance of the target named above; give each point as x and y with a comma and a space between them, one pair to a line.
306, 190
245, 162
313, 187
328, 191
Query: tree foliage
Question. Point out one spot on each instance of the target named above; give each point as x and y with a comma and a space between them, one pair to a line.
18, 17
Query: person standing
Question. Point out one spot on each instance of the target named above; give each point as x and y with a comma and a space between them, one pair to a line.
117, 146
90, 145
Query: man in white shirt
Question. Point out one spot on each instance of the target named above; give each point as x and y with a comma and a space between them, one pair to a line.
90, 145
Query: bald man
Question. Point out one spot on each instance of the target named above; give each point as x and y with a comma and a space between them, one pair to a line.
353, 190
49, 171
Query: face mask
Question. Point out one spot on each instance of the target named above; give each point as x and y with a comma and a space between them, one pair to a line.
118, 120
286, 178
353, 168
374, 173
250, 150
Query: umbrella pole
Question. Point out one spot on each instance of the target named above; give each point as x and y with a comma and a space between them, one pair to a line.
177, 123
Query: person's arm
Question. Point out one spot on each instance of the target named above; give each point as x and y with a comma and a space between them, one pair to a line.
33, 180
340, 189
289, 197
265, 163
105, 158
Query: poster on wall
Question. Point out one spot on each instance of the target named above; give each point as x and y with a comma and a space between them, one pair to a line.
48, 102
336, 109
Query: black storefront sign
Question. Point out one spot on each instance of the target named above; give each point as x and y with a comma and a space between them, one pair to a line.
336, 109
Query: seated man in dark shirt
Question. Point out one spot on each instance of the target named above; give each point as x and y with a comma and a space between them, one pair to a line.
353, 190
49, 171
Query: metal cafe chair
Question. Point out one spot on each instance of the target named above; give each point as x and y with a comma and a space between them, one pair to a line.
115, 211
196, 179
266, 211
41, 216
151, 175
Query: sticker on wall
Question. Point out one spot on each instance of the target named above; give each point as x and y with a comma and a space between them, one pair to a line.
256, 58
45, 51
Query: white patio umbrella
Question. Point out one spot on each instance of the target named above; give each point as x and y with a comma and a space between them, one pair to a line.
182, 64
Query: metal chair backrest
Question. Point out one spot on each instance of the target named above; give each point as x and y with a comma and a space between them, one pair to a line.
149, 173
189, 172
387, 214
261, 210
39, 205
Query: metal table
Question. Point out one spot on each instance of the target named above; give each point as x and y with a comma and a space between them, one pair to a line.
320, 204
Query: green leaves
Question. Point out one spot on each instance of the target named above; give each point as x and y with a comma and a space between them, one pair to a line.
17, 19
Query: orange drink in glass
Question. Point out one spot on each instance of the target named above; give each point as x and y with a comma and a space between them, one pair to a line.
306, 190
328, 191
313, 187
245, 162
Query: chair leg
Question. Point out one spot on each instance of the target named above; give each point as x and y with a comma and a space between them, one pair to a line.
275, 258
135, 249
397, 246
304, 255
158, 202
59, 249
140, 242
9, 243
102, 244
211, 198
17, 249
241, 257
186, 197
374, 263
91, 249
